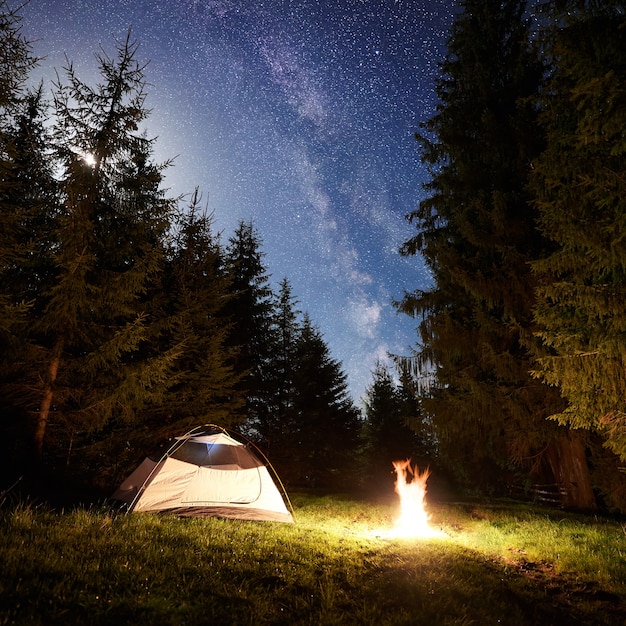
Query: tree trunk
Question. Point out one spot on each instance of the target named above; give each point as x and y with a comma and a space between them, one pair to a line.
568, 461
46, 403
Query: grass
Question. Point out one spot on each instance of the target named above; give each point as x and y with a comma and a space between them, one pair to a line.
499, 563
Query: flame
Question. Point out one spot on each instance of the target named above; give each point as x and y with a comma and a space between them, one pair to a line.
413, 520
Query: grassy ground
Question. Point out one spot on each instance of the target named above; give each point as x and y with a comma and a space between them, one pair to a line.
501, 563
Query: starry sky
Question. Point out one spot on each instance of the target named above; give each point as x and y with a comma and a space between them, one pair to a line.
297, 115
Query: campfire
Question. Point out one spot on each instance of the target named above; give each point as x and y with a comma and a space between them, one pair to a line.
411, 487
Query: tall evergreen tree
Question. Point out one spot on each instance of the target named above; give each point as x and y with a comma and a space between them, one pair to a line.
105, 248
193, 294
477, 233
277, 429
22, 169
327, 420
26, 188
580, 185
250, 309
16, 61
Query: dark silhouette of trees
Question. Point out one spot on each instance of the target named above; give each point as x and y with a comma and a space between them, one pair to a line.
99, 224
276, 431
327, 422
579, 182
125, 321
297, 402
26, 186
477, 232
249, 308
192, 295
393, 430
306, 420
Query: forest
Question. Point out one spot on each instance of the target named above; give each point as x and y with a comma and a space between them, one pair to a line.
126, 319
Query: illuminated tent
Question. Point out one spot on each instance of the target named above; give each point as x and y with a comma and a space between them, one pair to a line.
207, 474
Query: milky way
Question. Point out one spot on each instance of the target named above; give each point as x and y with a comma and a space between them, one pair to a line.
298, 116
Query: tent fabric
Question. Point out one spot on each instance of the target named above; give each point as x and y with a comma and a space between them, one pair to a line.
206, 476
129, 489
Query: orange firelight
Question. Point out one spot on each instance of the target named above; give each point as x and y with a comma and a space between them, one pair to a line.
411, 487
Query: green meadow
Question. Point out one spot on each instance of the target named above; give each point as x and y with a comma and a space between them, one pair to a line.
496, 563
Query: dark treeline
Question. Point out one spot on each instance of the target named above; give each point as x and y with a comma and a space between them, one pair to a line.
522, 348
125, 320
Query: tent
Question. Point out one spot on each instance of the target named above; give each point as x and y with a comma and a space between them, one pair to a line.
207, 474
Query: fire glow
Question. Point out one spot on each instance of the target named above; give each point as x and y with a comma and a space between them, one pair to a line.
411, 487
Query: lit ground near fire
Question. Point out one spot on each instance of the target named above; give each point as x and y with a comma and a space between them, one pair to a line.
498, 562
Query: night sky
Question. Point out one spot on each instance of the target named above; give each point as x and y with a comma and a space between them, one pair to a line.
298, 115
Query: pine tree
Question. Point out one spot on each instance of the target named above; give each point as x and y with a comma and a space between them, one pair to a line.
194, 292
26, 188
24, 178
327, 420
16, 61
276, 431
249, 310
105, 248
477, 234
580, 185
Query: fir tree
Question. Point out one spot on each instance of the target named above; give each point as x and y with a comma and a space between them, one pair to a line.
105, 248
249, 309
26, 189
580, 186
25, 179
189, 302
477, 233
16, 62
327, 420
276, 431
